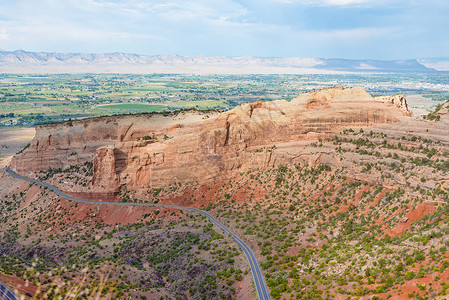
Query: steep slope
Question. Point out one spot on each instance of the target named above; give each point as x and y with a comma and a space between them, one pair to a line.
340, 196
152, 151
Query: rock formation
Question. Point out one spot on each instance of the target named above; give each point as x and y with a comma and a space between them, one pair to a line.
398, 101
147, 151
61, 145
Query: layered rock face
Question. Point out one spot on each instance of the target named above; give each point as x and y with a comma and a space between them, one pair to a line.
72, 143
398, 101
61, 145
146, 151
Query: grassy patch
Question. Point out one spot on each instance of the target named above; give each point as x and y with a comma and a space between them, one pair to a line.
140, 107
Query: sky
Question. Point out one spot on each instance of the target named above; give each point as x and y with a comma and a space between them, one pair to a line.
356, 29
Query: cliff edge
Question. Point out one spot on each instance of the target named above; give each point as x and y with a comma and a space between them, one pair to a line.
150, 151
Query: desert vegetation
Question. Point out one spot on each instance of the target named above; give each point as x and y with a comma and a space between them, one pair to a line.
376, 226
362, 213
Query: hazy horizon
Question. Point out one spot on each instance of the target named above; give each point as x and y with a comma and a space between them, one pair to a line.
229, 56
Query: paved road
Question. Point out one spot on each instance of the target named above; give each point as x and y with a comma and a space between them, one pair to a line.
6, 294
259, 281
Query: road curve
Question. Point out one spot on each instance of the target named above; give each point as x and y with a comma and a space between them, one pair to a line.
6, 294
259, 281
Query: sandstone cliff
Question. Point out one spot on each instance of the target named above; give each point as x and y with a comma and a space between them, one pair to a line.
61, 145
398, 101
154, 150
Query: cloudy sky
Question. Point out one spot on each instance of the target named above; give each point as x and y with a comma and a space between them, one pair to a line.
378, 29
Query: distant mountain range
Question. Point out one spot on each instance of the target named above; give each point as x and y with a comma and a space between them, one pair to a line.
42, 62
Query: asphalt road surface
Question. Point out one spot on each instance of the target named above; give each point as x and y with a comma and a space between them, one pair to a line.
259, 281
6, 294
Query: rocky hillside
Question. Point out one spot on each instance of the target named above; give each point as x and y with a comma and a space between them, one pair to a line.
153, 151
340, 195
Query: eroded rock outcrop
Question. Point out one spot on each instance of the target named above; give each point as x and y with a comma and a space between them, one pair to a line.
398, 101
154, 150
61, 145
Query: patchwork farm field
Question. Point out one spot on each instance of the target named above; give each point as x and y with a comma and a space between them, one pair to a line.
128, 108
27, 100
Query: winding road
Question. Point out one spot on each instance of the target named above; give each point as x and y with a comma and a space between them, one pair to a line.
6, 294
259, 281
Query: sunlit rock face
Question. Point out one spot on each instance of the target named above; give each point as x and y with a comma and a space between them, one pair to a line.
146, 151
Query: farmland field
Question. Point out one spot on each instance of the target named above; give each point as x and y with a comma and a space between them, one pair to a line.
27, 100
128, 108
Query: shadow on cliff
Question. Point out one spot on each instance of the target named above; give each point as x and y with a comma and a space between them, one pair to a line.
121, 160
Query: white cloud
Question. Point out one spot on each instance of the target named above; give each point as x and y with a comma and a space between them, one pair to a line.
66, 31
3, 34
356, 3
328, 2
227, 27
352, 34
173, 9
343, 2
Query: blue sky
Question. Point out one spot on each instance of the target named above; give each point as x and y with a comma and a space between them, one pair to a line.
361, 29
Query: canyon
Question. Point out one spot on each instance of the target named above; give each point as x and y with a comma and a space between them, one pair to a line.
140, 152
338, 193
